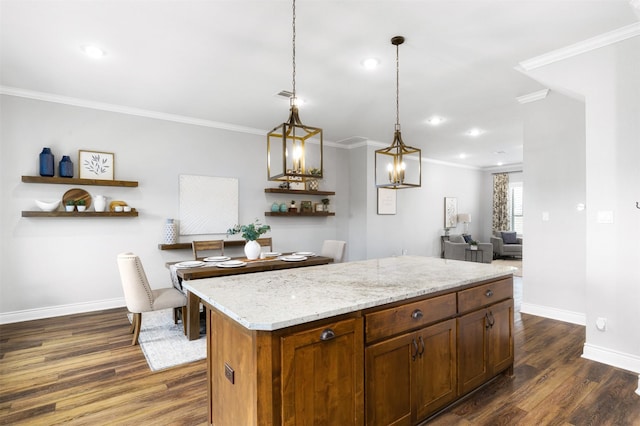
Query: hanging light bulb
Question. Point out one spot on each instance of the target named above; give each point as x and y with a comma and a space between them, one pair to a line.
397, 174
304, 142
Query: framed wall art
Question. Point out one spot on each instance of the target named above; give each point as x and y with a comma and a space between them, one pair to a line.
450, 212
211, 214
306, 207
386, 201
95, 165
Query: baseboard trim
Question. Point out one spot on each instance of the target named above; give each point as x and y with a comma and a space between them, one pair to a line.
613, 358
60, 310
554, 313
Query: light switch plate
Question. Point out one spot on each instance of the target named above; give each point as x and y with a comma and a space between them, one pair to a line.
545, 216
605, 216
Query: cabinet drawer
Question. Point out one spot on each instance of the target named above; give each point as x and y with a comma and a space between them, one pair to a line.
406, 317
484, 295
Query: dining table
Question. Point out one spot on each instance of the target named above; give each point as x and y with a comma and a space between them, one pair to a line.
221, 269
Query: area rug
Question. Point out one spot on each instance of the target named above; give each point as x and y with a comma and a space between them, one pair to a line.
517, 263
164, 344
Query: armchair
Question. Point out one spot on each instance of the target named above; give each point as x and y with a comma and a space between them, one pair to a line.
506, 243
455, 249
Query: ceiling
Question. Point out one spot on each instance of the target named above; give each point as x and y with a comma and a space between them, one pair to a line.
225, 61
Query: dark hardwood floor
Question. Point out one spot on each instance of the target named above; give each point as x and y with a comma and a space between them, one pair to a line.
82, 370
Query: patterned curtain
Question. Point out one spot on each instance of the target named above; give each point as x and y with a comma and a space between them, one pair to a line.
500, 202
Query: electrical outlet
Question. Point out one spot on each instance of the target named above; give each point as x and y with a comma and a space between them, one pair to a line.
601, 324
229, 373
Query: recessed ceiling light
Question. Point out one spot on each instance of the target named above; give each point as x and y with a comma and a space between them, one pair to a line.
474, 132
370, 63
462, 156
499, 152
93, 51
500, 163
435, 120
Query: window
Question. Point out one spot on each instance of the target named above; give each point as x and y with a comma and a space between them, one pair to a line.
516, 211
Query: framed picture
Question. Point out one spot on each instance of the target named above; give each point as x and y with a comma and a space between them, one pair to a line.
386, 201
450, 212
306, 207
319, 207
95, 165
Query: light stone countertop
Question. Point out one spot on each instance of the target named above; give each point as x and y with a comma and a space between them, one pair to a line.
278, 299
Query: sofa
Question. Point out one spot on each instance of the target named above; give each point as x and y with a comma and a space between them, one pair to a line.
506, 244
456, 249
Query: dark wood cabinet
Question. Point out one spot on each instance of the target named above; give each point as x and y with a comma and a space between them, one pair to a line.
302, 375
411, 376
322, 375
485, 344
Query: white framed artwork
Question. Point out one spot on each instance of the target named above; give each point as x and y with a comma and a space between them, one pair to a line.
208, 205
386, 201
450, 212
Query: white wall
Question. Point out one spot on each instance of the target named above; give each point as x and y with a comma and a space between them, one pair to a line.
56, 266
554, 253
49, 263
419, 222
608, 79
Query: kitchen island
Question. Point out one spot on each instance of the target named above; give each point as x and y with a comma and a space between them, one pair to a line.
382, 341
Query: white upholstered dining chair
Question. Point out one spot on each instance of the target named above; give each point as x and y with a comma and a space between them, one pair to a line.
140, 297
334, 249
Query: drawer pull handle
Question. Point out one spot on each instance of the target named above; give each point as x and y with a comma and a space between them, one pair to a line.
422, 346
327, 334
417, 314
488, 293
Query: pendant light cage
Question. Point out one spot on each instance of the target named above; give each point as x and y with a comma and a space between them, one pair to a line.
294, 150
398, 166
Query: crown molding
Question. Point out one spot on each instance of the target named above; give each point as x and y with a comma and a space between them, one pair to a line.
584, 46
84, 103
532, 97
67, 100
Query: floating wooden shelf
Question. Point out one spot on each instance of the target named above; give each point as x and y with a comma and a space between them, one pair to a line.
78, 181
299, 214
132, 213
185, 246
293, 191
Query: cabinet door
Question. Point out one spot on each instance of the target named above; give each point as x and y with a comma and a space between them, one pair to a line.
389, 382
500, 336
435, 369
322, 375
472, 350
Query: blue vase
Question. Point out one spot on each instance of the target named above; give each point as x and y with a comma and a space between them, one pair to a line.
46, 162
65, 168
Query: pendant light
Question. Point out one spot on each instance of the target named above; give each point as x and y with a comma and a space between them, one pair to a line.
398, 166
294, 150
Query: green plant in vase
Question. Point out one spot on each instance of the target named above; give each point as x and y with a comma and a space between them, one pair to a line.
81, 205
70, 205
250, 233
